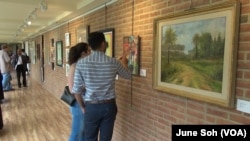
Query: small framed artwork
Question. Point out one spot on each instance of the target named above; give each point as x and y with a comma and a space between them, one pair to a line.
52, 65
195, 53
33, 52
59, 53
67, 54
67, 69
52, 42
82, 33
52, 55
38, 51
67, 39
110, 38
131, 49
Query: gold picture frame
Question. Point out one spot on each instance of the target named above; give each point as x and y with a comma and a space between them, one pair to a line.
195, 53
82, 33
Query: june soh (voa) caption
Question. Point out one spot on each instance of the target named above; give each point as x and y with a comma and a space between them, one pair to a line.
215, 132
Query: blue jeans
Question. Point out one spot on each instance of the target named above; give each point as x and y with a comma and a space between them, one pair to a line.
77, 127
99, 117
6, 81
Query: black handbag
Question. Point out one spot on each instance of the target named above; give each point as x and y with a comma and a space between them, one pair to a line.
67, 97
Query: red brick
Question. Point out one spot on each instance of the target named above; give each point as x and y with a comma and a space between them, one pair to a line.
240, 118
247, 94
240, 74
244, 2
244, 46
239, 92
243, 84
199, 2
241, 56
245, 9
247, 74
217, 112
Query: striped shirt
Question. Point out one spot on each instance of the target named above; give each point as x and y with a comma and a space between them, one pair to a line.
97, 73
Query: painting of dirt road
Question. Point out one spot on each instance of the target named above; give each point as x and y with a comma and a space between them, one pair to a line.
195, 53
192, 54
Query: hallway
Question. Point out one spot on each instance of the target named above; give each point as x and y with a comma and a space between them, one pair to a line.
33, 114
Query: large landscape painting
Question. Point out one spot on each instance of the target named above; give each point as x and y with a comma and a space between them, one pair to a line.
195, 53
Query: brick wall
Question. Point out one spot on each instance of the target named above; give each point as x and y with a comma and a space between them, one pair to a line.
145, 114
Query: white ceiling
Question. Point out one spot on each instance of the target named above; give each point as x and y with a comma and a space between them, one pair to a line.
13, 14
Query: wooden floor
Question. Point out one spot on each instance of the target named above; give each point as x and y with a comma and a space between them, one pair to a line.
33, 114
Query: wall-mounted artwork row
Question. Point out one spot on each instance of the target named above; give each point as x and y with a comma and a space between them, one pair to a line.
195, 53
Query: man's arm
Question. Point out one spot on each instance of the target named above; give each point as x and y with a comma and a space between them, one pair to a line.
123, 69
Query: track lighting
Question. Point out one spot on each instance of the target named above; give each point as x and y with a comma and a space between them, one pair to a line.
43, 5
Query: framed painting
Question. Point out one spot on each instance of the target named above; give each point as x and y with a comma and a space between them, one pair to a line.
59, 53
33, 52
131, 49
38, 51
195, 53
52, 55
52, 42
67, 54
82, 33
67, 39
110, 40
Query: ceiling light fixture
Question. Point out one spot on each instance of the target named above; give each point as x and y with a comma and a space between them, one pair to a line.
29, 22
43, 6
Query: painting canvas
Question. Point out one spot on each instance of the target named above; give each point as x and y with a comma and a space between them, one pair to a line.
59, 53
109, 36
38, 51
82, 33
131, 49
67, 39
67, 54
195, 53
52, 55
33, 52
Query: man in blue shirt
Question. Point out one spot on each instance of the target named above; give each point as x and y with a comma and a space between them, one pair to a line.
96, 74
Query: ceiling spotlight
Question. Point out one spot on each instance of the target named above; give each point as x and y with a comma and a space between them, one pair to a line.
29, 22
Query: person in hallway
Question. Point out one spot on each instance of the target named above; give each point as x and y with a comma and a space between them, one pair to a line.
97, 73
5, 67
76, 52
20, 62
28, 60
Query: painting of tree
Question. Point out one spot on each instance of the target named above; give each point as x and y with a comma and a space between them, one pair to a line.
192, 55
195, 53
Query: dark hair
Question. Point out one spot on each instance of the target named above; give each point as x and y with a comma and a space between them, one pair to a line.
75, 52
95, 40
3, 46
